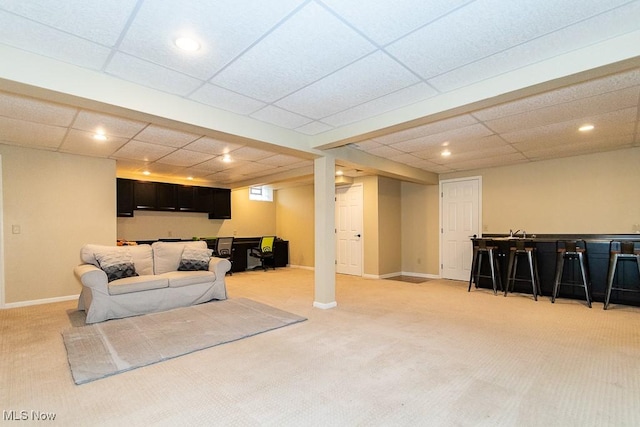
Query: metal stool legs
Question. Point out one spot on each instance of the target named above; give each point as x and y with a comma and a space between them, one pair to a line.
512, 269
476, 266
627, 252
570, 252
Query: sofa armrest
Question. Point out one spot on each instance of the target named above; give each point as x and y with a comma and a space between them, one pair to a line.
219, 266
92, 277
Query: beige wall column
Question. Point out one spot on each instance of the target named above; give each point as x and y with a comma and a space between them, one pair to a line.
325, 244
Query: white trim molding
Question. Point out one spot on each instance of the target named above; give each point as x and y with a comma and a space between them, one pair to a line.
325, 306
40, 301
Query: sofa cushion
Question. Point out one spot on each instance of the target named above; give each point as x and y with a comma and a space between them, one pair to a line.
117, 264
142, 256
137, 284
179, 279
167, 255
195, 259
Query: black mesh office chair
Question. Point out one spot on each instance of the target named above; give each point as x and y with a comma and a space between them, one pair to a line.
264, 251
224, 249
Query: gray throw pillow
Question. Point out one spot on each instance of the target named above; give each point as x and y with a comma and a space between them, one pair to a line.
117, 264
194, 259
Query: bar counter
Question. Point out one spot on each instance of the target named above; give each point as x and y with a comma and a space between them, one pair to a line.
597, 256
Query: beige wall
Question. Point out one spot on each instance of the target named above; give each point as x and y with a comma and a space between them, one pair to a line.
420, 225
295, 223
249, 219
389, 226
591, 194
60, 202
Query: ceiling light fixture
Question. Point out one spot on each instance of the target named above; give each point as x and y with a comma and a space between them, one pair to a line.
100, 136
586, 128
187, 44
445, 153
226, 158
146, 173
339, 173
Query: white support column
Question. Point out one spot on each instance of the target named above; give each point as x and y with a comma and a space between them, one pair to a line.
325, 237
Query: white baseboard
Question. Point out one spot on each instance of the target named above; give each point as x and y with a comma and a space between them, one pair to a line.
302, 267
39, 301
423, 275
325, 306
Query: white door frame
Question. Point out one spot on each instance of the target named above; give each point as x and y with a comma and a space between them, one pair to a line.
362, 237
441, 226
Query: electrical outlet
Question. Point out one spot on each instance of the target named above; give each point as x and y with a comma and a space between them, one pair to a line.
15, 229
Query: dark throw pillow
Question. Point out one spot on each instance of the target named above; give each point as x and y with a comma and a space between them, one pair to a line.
195, 259
117, 264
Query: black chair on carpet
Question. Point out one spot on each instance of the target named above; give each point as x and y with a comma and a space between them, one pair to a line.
264, 252
224, 249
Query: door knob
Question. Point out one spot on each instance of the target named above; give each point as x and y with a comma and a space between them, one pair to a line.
357, 235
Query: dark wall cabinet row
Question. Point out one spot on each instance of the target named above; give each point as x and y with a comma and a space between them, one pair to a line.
160, 196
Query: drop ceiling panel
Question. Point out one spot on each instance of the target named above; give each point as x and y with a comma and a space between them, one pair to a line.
383, 104
136, 150
280, 117
185, 158
310, 45
249, 153
165, 136
33, 110
438, 127
212, 146
384, 22
479, 144
575, 150
30, 134
92, 121
95, 20
590, 31
487, 162
81, 142
40, 39
151, 75
350, 86
219, 97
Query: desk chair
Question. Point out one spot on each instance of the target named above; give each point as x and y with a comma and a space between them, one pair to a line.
224, 249
264, 251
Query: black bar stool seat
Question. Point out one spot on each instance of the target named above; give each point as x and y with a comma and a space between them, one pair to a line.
571, 250
527, 249
485, 246
620, 251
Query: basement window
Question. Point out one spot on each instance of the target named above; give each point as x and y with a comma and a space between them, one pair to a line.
261, 193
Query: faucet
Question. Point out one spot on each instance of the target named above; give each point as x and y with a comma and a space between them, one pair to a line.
512, 234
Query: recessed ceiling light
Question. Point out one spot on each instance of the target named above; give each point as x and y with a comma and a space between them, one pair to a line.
445, 144
446, 153
339, 173
586, 128
146, 173
100, 136
190, 178
187, 43
226, 158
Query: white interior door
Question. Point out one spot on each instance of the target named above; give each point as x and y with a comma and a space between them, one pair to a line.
460, 219
349, 239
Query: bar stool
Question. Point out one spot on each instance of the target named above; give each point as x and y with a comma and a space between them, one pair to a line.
485, 246
519, 249
571, 250
620, 251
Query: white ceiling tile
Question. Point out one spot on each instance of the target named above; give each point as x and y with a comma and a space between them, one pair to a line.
185, 158
487, 162
151, 75
453, 136
165, 136
92, 121
366, 145
620, 137
458, 156
219, 97
563, 95
350, 86
136, 150
96, 20
250, 153
225, 30
280, 117
479, 144
281, 160
30, 134
385, 151
212, 146
308, 46
618, 21
484, 28
575, 110
82, 142
314, 128
214, 165
383, 104
438, 127
40, 39
577, 149
384, 21
33, 110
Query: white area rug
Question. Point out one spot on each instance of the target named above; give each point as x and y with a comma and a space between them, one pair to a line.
103, 349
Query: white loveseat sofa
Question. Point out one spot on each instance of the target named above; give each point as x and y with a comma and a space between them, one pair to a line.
121, 281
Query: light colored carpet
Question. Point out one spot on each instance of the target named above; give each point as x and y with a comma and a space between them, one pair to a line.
103, 349
390, 354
